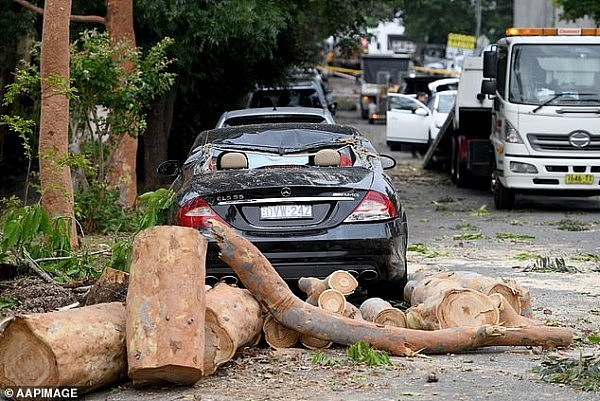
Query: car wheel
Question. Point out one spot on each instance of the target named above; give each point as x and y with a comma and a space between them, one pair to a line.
504, 198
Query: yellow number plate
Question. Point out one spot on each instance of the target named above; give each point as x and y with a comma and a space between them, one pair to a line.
579, 179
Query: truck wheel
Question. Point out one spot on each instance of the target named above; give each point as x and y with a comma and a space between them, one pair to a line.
504, 198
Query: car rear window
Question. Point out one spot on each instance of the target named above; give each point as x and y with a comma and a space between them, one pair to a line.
273, 118
285, 98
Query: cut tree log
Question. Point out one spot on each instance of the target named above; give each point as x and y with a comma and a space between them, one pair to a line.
233, 319
442, 303
277, 335
166, 306
380, 311
508, 316
339, 280
259, 276
110, 287
81, 347
515, 294
312, 342
352, 312
332, 300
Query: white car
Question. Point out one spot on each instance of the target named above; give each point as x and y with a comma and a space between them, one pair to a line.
408, 123
262, 115
414, 125
440, 104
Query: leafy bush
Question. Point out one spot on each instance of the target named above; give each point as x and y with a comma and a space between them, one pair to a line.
98, 210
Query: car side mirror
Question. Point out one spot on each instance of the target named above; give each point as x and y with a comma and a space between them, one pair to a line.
332, 107
488, 87
387, 162
169, 168
422, 112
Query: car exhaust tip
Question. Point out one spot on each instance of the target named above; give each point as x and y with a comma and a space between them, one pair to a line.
230, 280
211, 280
354, 273
368, 275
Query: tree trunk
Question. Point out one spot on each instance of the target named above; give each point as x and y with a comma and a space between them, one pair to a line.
233, 320
166, 306
277, 335
110, 287
156, 140
516, 295
379, 311
122, 161
442, 303
81, 347
259, 276
55, 177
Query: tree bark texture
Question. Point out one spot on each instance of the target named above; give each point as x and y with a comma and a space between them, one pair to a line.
514, 293
379, 311
55, 178
259, 276
443, 303
233, 319
110, 287
123, 156
80, 347
156, 140
166, 306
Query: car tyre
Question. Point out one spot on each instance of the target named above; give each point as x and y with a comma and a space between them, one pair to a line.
504, 198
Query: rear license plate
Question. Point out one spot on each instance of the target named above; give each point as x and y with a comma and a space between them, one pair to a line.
280, 212
587, 179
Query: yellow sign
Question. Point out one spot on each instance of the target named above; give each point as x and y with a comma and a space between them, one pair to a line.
461, 41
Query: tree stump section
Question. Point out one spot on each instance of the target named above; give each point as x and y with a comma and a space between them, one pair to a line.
508, 316
312, 342
332, 300
339, 280
166, 306
444, 304
81, 347
233, 319
277, 335
516, 295
110, 287
379, 311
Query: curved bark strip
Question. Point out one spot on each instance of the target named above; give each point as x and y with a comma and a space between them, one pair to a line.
259, 276
166, 306
80, 347
233, 320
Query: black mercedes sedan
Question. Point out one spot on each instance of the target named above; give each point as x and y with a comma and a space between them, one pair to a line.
313, 198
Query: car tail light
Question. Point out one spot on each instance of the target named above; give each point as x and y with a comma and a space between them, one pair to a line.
345, 161
374, 206
195, 213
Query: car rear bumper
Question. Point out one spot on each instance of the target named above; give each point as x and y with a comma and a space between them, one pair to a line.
362, 248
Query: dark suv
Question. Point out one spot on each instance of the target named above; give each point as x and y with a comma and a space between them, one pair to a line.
307, 93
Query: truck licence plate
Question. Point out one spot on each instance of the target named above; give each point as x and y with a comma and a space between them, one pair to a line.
280, 212
587, 179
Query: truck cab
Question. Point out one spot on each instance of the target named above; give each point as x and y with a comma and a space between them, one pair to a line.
545, 123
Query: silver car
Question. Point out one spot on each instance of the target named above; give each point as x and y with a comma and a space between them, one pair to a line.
275, 115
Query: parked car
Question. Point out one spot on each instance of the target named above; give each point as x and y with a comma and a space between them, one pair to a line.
263, 115
407, 123
313, 198
306, 93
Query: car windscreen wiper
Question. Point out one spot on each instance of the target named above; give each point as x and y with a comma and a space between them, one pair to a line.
561, 94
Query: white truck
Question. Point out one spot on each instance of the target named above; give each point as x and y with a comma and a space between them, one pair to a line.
544, 119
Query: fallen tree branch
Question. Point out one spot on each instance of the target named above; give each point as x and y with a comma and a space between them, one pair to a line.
38, 270
259, 276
